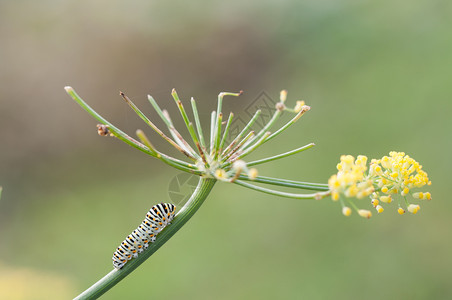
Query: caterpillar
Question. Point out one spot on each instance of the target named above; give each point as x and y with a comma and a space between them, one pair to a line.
157, 218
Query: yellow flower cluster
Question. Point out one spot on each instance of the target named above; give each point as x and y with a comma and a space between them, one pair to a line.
391, 175
350, 178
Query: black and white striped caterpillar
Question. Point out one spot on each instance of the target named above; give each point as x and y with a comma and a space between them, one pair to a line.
156, 219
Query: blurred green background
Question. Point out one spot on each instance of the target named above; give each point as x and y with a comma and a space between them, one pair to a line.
377, 75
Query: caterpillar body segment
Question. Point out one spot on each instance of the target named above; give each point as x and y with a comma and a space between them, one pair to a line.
158, 217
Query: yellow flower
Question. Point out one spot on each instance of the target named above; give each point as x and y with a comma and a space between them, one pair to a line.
283, 96
221, 174
391, 175
413, 208
386, 199
349, 180
398, 173
252, 173
365, 213
379, 209
299, 106
346, 211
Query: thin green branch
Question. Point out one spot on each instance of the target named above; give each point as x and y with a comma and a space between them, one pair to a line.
220, 100
152, 125
279, 156
251, 148
219, 119
353, 205
198, 123
233, 151
316, 196
181, 108
185, 213
159, 111
184, 115
291, 122
267, 126
144, 139
212, 130
242, 133
174, 133
226, 132
287, 183
216, 148
181, 165
112, 128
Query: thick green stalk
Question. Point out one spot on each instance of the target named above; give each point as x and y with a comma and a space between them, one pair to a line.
201, 192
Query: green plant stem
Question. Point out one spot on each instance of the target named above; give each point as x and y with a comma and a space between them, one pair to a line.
127, 139
212, 130
154, 127
181, 165
290, 123
315, 196
282, 155
242, 133
201, 192
253, 147
288, 183
219, 120
225, 133
216, 147
174, 133
113, 129
187, 122
242, 142
198, 123
264, 130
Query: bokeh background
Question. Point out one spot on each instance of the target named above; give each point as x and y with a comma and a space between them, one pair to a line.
377, 75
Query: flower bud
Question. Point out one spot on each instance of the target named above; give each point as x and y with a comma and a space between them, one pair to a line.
346, 211
283, 95
386, 199
413, 208
252, 174
365, 213
379, 209
299, 106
